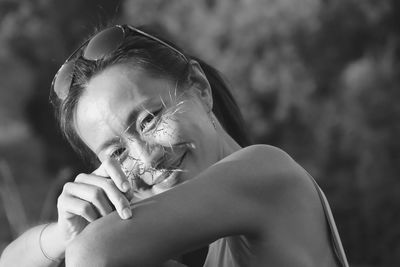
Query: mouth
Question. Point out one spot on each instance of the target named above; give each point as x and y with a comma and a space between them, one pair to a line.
163, 175
169, 177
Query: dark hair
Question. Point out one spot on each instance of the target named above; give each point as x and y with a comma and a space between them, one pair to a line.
157, 59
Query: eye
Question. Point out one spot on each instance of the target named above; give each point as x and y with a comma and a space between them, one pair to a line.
149, 121
116, 154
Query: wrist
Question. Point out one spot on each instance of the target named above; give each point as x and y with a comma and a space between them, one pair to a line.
52, 243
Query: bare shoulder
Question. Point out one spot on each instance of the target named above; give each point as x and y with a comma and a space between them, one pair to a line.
264, 166
282, 203
260, 150
268, 179
262, 158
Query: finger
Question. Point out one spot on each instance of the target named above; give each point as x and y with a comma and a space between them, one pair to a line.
82, 178
70, 204
92, 194
116, 197
112, 168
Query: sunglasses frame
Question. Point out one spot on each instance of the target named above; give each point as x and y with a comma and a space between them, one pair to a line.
62, 94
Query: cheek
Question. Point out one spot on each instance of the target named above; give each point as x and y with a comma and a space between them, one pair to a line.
170, 130
184, 122
176, 125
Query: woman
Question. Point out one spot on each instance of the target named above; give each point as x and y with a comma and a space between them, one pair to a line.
172, 150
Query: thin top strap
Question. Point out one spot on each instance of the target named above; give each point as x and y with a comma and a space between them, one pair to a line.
335, 238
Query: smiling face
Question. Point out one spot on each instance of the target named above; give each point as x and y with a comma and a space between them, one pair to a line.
162, 135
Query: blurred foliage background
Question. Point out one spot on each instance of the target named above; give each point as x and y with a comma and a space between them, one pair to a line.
318, 78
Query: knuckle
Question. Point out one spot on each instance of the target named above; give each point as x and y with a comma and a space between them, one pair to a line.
80, 177
107, 163
60, 201
67, 186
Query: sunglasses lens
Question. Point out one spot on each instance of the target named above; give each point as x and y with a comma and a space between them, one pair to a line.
63, 80
104, 43
98, 47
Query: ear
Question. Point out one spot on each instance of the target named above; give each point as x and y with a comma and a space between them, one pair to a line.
199, 84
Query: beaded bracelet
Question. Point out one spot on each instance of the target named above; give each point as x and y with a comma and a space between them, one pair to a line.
41, 246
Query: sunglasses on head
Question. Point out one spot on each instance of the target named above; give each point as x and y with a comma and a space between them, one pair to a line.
95, 48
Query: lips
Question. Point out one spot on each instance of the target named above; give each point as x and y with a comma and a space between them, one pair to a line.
162, 179
166, 162
162, 174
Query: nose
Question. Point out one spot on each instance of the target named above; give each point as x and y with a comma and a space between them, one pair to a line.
149, 155
142, 160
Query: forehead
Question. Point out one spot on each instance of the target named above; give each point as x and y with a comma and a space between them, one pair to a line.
110, 96
120, 83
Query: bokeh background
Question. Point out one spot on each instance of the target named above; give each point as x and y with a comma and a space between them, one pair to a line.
318, 78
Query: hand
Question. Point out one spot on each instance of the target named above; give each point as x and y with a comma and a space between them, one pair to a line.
92, 196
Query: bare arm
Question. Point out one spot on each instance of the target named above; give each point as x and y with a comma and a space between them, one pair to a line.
183, 218
246, 194
25, 251
81, 202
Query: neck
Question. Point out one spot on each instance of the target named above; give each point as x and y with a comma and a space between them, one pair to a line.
227, 144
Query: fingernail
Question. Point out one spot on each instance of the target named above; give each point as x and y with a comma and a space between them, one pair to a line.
126, 213
126, 186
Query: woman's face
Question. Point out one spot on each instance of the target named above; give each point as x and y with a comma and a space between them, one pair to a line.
161, 135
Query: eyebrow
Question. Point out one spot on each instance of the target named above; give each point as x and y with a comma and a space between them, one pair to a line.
130, 120
108, 143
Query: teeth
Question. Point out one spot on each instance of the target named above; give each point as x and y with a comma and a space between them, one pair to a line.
185, 145
160, 175
191, 145
161, 170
